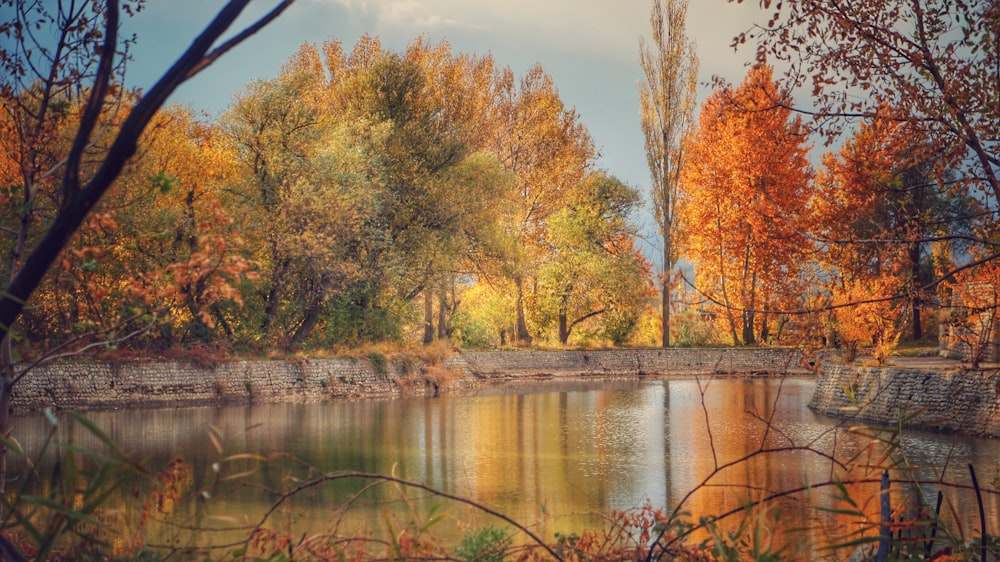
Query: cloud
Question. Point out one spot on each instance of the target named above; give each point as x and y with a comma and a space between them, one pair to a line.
413, 14
351, 6
584, 28
408, 15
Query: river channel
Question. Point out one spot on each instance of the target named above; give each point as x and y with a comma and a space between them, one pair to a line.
555, 456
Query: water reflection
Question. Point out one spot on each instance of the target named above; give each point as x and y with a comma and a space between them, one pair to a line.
556, 456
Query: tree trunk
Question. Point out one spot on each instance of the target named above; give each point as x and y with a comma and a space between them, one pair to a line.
748, 336
563, 328
749, 301
521, 336
915, 302
765, 329
6, 386
668, 270
730, 317
220, 319
307, 325
851, 351
442, 313
273, 300
428, 317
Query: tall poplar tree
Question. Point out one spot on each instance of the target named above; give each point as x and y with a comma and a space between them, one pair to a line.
667, 100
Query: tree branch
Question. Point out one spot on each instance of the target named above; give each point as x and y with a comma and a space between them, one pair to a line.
95, 105
79, 205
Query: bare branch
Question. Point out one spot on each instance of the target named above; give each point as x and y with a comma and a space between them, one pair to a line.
331, 476
217, 52
95, 103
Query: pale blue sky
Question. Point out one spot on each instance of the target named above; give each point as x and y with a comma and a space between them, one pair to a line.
590, 47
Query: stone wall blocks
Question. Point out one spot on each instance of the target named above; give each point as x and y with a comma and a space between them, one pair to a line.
135, 384
966, 399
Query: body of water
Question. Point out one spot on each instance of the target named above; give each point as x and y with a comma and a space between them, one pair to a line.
558, 457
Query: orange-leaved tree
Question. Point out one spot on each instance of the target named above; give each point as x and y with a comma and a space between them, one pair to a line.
179, 244
882, 201
867, 315
743, 204
160, 244
931, 64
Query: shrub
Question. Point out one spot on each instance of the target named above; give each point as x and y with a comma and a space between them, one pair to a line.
488, 544
379, 362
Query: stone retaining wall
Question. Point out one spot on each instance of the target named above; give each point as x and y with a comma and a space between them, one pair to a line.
135, 384
635, 362
168, 384
966, 401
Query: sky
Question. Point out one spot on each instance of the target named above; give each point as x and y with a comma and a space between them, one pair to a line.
589, 47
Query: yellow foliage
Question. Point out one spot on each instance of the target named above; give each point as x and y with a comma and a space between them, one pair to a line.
973, 313
868, 313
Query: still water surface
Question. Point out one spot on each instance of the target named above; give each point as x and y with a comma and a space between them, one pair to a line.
557, 456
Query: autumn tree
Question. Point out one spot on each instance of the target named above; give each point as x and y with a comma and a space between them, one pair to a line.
594, 272
302, 195
745, 190
866, 314
667, 100
931, 64
880, 206
388, 139
548, 150
160, 243
421, 210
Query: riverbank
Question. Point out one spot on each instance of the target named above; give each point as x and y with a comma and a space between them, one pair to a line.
931, 393
148, 384
926, 393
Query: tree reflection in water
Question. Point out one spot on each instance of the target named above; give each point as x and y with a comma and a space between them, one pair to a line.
556, 456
